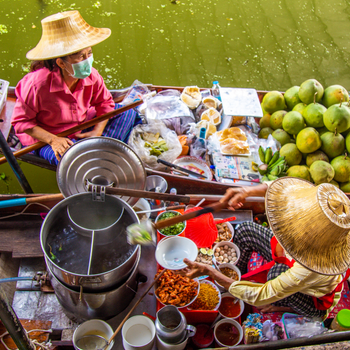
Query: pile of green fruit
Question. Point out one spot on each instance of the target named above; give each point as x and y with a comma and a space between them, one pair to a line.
312, 124
273, 167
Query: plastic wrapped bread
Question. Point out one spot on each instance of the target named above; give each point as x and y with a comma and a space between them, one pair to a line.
233, 146
234, 132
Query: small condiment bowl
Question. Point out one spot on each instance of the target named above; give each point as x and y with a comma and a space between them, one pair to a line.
170, 211
240, 302
230, 228
235, 324
231, 266
230, 245
216, 288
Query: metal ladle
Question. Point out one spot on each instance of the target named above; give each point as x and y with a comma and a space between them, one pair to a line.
96, 342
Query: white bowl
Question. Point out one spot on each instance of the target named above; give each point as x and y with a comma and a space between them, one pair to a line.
216, 288
241, 303
234, 323
170, 211
171, 251
231, 266
231, 245
141, 205
229, 226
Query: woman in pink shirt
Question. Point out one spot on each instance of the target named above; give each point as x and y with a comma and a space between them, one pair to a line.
64, 90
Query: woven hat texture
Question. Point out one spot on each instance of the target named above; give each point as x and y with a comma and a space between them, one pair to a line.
311, 223
65, 33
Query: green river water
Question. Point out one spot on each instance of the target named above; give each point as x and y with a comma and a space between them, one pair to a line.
262, 44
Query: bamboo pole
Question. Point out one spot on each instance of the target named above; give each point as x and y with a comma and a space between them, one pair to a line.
75, 129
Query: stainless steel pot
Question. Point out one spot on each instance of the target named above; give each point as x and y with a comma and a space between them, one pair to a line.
104, 305
98, 262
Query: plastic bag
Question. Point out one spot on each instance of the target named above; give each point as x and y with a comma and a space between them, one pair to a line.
136, 92
301, 326
137, 143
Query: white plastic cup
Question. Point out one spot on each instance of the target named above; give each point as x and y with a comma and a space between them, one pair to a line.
95, 327
233, 322
138, 333
161, 345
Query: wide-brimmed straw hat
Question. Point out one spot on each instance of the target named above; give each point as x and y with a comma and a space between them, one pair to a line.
311, 223
65, 33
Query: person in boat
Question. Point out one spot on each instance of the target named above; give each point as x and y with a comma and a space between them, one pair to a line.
64, 90
306, 248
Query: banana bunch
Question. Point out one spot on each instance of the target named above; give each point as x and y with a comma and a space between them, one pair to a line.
274, 166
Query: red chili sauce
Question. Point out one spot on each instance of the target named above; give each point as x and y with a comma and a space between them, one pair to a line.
228, 308
227, 334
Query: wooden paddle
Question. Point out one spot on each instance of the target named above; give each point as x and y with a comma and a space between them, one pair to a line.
75, 129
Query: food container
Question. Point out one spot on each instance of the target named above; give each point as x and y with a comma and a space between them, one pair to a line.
219, 295
229, 228
238, 331
230, 266
239, 304
203, 337
171, 228
229, 245
141, 205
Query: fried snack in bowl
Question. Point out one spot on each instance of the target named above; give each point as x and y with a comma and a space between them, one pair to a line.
176, 290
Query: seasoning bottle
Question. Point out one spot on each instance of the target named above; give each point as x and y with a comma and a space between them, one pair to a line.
215, 90
341, 321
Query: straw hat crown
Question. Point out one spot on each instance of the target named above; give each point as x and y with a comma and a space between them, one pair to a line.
311, 223
65, 33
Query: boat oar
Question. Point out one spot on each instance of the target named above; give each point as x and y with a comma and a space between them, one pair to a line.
144, 232
144, 194
75, 129
24, 201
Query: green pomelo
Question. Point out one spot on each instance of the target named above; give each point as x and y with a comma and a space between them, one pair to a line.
281, 136
345, 187
321, 172
332, 144
299, 107
291, 97
291, 153
334, 94
265, 132
300, 171
308, 140
293, 122
313, 115
273, 101
310, 90
321, 131
347, 142
341, 166
276, 119
337, 118
264, 122
335, 183
318, 155
346, 132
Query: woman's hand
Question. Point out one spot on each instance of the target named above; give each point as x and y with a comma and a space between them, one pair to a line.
95, 132
193, 269
60, 145
235, 196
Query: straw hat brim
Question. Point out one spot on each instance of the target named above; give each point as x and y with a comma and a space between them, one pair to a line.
64, 34
306, 226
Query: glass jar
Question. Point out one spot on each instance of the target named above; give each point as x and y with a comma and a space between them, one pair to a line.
341, 321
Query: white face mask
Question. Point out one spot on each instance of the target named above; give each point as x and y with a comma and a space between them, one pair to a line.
82, 70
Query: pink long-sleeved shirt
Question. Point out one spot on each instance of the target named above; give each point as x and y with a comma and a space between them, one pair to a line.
43, 99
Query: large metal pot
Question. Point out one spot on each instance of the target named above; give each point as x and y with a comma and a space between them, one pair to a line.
97, 262
103, 305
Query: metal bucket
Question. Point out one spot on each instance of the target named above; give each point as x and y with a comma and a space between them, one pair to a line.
104, 305
96, 262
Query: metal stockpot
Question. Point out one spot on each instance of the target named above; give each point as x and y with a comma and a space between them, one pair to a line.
98, 262
104, 305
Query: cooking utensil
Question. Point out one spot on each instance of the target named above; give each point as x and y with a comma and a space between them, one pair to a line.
160, 209
105, 343
144, 194
75, 129
181, 168
232, 218
24, 201
147, 229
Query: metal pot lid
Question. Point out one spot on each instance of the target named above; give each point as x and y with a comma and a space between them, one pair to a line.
100, 161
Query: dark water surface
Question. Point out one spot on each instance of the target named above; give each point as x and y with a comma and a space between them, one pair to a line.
264, 44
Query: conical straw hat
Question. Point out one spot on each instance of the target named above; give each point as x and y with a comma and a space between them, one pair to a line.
311, 223
65, 33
